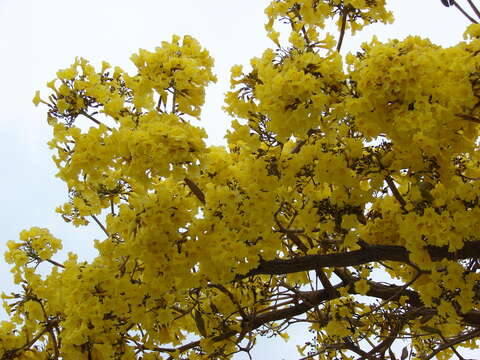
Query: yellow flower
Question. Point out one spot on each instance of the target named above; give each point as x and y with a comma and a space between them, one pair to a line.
362, 287
472, 32
36, 99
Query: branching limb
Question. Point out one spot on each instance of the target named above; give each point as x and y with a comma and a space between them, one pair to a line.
455, 341
311, 299
344, 275
394, 296
291, 234
356, 349
232, 299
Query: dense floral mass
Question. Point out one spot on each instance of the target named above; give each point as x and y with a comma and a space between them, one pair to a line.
339, 167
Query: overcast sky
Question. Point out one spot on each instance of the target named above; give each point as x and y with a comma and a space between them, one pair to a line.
39, 37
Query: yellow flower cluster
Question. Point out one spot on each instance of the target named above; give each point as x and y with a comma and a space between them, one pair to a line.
416, 94
308, 17
143, 133
337, 167
299, 87
35, 245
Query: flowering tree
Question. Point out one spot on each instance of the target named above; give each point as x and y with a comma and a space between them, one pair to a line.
338, 169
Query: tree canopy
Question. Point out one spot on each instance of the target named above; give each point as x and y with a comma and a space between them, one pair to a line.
347, 199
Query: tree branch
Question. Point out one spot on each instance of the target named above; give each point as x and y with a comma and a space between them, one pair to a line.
395, 191
455, 341
373, 253
195, 190
342, 29
314, 298
93, 119
464, 12
53, 262
104, 229
474, 8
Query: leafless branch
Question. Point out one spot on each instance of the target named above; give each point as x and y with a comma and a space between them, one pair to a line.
94, 120
464, 13
104, 229
394, 190
342, 29
474, 8
195, 190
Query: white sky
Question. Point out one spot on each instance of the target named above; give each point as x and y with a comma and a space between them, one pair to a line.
39, 37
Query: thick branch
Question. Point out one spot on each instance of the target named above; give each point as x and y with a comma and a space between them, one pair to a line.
372, 253
376, 290
314, 298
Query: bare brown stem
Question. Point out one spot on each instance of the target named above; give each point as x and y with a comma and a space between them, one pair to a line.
457, 340
373, 253
394, 190
55, 263
100, 225
342, 29
474, 8
93, 119
195, 190
464, 13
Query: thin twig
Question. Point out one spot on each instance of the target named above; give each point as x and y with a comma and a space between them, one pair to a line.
290, 233
55, 263
173, 101
394, 295
12, 352
474, 8
232, 299
100, 224
55, 344
464, 13
455, 341
50, 326
93, 119
451, 346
